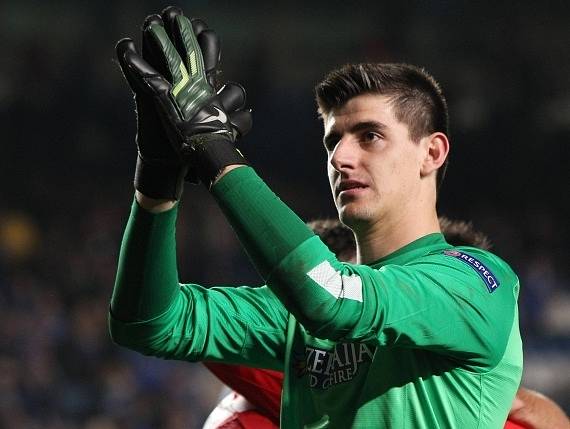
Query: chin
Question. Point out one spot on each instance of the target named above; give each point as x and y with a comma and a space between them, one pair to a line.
353, 216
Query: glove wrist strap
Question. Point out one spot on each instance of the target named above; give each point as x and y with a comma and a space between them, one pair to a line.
159, 180
213, 153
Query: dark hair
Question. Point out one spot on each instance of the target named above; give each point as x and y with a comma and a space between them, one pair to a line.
414, 94
461, 233
337, 236
340, 239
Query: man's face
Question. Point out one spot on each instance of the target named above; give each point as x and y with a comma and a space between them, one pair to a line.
373, 165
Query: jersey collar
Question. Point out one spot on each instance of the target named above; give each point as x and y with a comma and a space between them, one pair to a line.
417, 248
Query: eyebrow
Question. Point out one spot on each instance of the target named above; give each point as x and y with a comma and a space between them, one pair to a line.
332, 136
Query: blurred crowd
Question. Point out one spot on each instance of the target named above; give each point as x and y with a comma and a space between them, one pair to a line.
68, 157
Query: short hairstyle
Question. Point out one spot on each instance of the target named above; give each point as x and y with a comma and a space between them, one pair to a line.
461, 233
416, 97
337, 237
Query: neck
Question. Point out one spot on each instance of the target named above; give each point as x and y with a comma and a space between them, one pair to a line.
377, 240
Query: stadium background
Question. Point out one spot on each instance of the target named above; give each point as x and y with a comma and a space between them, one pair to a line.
67, 161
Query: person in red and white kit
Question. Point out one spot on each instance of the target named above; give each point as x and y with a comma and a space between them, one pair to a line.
255, 399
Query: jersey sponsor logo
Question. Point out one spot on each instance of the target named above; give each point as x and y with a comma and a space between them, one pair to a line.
488, 277
327, 368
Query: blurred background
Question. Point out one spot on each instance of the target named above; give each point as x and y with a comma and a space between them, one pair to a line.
68, 157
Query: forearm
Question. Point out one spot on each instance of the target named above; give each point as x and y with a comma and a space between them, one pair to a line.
147, 277
284, 251
267, 228
536, 411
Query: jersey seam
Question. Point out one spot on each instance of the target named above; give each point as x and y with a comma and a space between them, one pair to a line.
480, 400
149, 320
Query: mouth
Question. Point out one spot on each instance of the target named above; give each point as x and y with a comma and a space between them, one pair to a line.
350, 187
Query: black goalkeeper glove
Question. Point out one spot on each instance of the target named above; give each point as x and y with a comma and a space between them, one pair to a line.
160, 170
176, 99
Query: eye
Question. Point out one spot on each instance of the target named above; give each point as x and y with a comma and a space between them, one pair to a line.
370, 136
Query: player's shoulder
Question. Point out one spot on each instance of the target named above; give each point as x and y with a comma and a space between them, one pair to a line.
492, 260
476, 262
469, 255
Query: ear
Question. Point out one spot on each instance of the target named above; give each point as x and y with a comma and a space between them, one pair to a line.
437, 148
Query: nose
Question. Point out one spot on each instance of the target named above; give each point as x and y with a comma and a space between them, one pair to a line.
343, 156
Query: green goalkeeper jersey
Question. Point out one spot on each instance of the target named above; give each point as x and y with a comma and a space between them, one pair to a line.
426, 337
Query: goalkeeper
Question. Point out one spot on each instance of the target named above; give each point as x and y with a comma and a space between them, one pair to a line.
255, 401
417, 334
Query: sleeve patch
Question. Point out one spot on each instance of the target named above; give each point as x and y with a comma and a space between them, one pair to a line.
486, 275
339, 286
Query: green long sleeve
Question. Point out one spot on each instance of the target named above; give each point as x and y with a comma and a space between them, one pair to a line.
267, 228
147, 259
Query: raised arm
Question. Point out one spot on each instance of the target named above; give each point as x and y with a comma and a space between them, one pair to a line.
162, 167
150, 311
